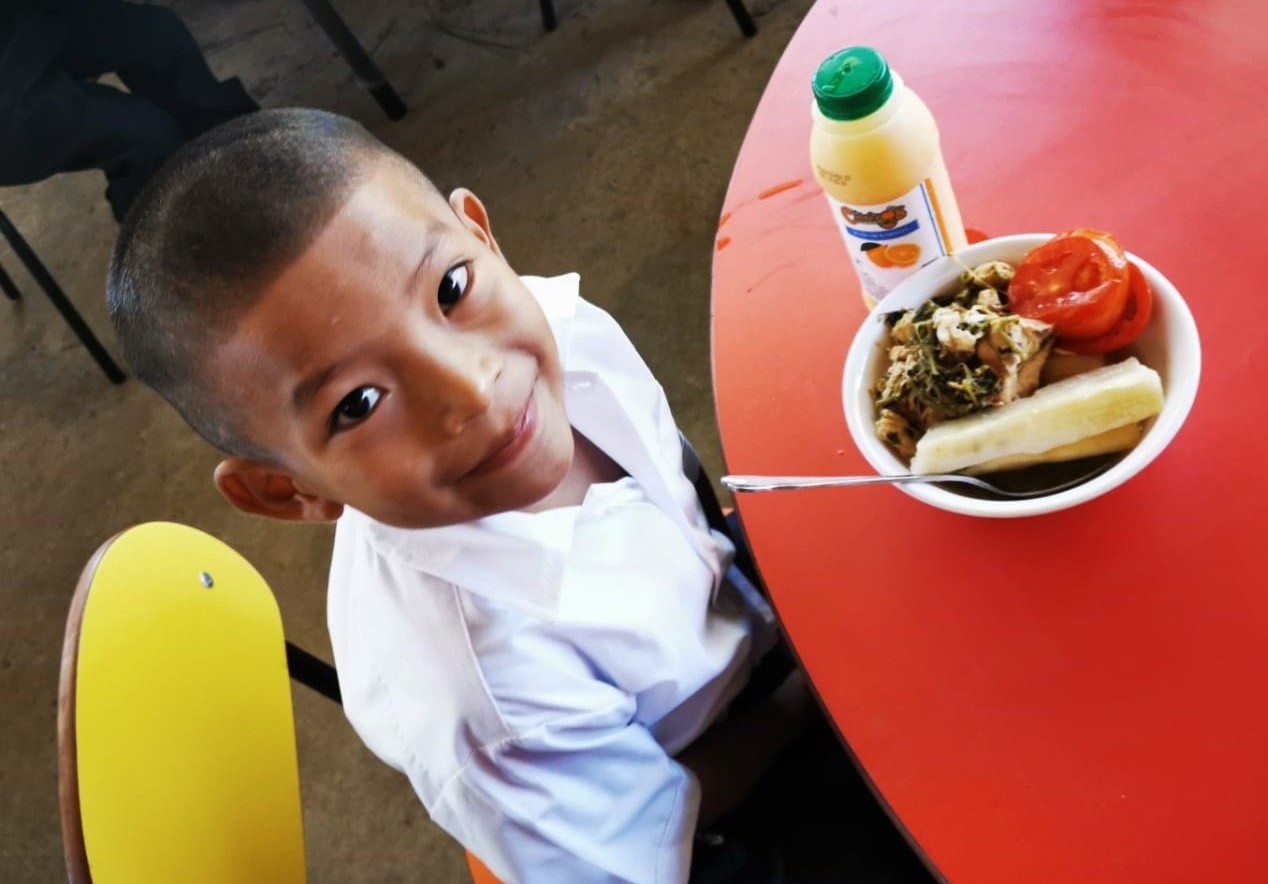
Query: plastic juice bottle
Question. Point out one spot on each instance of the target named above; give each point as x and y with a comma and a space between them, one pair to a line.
874, 148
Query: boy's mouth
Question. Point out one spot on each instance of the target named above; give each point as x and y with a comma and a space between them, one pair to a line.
513, 442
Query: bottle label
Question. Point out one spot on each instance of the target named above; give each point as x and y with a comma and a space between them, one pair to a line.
891, 241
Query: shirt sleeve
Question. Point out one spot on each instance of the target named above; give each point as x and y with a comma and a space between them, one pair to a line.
589, 799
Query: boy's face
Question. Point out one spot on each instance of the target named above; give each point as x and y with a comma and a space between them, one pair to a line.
399, 366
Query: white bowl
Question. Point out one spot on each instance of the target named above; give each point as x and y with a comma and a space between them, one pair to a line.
1169, 345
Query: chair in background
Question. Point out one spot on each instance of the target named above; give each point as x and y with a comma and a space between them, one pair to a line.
738, 11
55, 294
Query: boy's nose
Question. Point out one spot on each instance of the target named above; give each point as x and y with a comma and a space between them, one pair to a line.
462, 385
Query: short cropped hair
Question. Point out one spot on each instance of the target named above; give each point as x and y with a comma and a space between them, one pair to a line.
223, 218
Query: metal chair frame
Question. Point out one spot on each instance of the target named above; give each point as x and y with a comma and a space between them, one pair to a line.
363, 66
738, 12
55, 294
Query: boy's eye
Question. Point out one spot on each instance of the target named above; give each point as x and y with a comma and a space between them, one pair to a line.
354, 408
453, 287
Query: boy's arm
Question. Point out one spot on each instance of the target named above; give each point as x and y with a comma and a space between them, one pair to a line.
731, 756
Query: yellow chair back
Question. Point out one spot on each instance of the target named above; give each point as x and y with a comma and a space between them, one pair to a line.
176, 736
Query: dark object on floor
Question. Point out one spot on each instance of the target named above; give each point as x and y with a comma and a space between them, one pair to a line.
742, 18
55, 294
55, 117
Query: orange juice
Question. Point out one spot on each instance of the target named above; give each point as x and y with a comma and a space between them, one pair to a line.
875, 151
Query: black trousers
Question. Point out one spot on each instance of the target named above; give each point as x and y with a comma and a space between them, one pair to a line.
811, 819
55, 118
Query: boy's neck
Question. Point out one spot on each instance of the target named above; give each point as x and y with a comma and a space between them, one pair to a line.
590, 466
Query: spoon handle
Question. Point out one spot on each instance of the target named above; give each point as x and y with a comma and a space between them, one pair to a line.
780, 483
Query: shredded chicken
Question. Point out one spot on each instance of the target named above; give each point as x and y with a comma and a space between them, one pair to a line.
958, 354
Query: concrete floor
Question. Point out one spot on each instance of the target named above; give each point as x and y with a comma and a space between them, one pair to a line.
604, 147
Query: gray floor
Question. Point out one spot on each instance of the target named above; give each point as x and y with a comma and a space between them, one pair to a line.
604, 147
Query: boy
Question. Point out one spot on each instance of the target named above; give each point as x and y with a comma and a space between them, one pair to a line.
530, 616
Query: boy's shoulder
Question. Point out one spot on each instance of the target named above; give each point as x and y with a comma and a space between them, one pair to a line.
403, 649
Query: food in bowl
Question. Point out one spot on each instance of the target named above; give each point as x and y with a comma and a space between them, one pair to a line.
1169, 344
1021, 365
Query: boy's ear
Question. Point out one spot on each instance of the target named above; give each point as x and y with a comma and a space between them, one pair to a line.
471, 212
266, 491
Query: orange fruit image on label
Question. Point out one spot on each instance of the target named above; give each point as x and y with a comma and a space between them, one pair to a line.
877, 254
902, 254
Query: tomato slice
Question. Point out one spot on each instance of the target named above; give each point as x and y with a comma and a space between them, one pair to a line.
1077, 281
1140, 306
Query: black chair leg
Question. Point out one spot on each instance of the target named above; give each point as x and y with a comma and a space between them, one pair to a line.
55, 294
363, 67
10, 290
742, 18
313, 672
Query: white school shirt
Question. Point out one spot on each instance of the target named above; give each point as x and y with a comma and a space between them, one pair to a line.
534, 674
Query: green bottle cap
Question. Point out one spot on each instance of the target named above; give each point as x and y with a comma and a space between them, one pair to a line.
852, 83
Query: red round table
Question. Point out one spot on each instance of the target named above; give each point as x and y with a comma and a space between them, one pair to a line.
1078, 697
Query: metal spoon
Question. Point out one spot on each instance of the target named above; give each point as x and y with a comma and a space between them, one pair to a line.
782, 483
